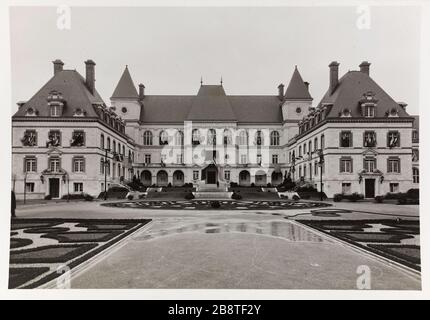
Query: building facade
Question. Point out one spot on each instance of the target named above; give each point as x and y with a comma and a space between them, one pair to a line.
59, 139
356, 139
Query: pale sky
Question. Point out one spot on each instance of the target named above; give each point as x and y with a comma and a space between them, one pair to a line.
253, 49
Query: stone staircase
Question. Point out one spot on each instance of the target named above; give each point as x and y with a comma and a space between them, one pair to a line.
212, 191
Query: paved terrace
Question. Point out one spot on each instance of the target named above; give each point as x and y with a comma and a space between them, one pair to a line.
263, 249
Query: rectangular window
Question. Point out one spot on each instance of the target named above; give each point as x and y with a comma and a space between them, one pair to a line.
393, 165
227, 175
415, 155
393, 139
304, 171
78, 187
394, 187
30, 138
346, 188
147, 158
415, 137
78, 139
102, 166
78, 164
300, 151
274, 158
345, 165
346, 139
258, 158
322, 142
54, 164
30, 165
369, 111
243, 159
315, 168
29, 187
54, 138
55, 111
195, 175
179, 158
369, 139
369, 164
416, 175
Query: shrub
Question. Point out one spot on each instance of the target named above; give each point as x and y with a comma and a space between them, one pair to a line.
295, 197
189, 196
379, 199
215, 204
130, 197
413, 193
236, 196
169, 185
48, 197
141, 196
269, 185
307, 188
337, 197
233, 184
253, 185
354, 197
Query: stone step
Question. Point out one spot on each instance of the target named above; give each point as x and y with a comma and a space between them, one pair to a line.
212, 195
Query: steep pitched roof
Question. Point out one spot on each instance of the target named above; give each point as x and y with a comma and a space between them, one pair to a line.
297, 89
211, 103
125, 87
246, 109
350, 90
72, 87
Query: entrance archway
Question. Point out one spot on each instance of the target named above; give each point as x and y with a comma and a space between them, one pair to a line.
162, 178
244, 178
178, 178
146, 178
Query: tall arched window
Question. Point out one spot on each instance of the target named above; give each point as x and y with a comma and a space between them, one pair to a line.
259, 138
274, 138
102, 141
227, 140
179, 138
212, 137
108, 143
195, 137
242, 138
164, 138
147, 138
114, 146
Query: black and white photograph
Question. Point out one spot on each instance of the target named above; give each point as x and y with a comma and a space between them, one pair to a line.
214, 147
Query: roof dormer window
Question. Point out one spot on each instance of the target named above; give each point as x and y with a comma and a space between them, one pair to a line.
79, 113
369, 111
346, 113
55, 103
393, 113
31, 112
55, 111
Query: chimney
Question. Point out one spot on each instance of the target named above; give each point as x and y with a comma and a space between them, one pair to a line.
58, 66
334, 75
141, 92
281, 91
307, 85
364, 67
90, 77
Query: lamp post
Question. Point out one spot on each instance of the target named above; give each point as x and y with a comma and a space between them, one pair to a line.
67, 179
106, 164
25, 186
321, 164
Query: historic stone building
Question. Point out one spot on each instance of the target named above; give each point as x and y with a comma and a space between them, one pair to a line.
59, 138
211, 137
356, 139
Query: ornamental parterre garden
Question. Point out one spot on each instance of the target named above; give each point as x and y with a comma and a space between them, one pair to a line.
396, 240
217, 204
41, 249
